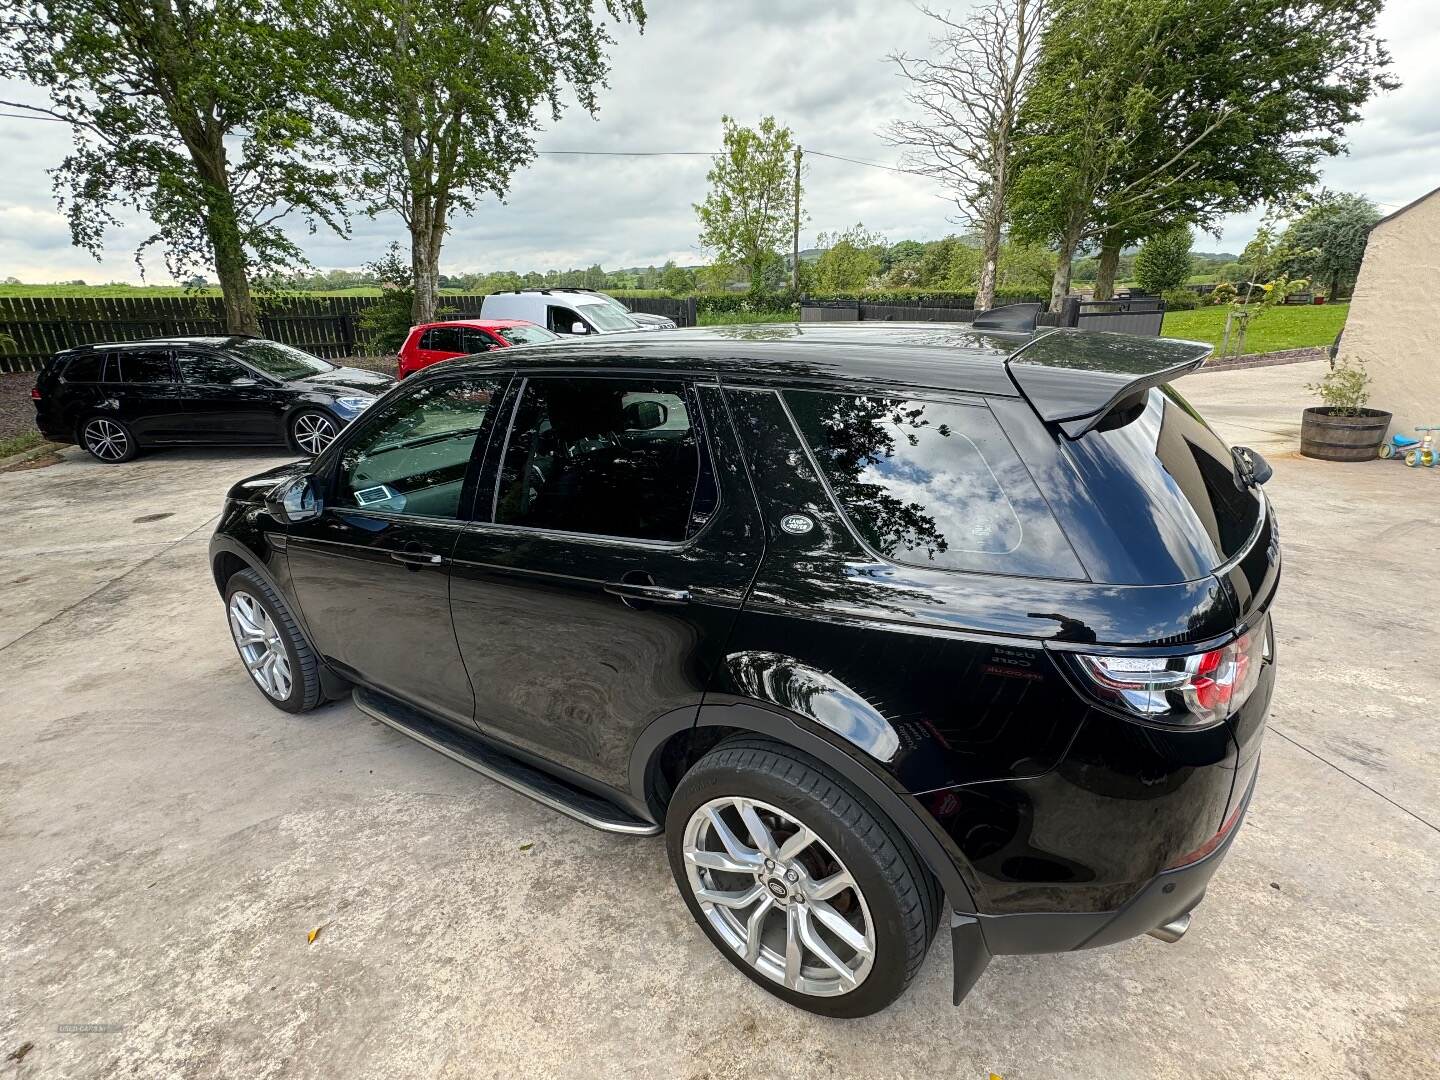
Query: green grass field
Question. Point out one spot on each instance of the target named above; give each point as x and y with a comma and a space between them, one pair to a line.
1276, 329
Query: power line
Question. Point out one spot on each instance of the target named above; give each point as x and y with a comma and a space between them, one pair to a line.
29, 116
857, 161
631, 153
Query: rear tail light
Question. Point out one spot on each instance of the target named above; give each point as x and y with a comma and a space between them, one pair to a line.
1188, 691
35, 393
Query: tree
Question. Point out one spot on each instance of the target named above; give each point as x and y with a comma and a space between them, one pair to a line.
1327, 241
747, 215
387, 321
968, 98
676, 280
1164, 261
435, 103
1145, 112
850, 260
192, 112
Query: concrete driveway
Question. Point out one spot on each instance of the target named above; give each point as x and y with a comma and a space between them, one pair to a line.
170, 841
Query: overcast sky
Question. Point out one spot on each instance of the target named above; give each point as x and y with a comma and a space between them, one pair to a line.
817, 65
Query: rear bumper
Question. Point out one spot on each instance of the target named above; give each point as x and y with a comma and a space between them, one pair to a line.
1166, 897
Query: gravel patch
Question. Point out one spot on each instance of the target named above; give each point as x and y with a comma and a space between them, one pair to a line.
17, 413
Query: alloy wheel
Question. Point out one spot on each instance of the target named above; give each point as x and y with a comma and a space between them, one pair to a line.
314, 433
106, 439
260, 645
778, 896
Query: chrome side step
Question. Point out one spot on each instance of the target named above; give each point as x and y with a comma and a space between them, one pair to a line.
495, 764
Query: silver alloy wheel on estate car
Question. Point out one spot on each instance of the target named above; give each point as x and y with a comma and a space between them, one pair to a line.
314, 432
106, 439
260, 645
778, 896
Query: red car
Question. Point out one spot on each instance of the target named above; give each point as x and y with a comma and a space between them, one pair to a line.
430, 343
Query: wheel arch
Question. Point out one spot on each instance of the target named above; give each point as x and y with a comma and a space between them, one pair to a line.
672, 743
227, 558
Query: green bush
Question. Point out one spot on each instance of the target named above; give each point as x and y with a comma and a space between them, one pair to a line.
746, 303
1164, 260
1181, 300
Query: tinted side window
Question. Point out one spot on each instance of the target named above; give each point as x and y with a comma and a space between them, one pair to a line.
611, 457
931, 483
413, 456
88, 367
143, 367
442, 339
473, 341
210, 369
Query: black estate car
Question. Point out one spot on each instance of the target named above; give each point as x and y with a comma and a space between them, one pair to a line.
884, 627
116, 399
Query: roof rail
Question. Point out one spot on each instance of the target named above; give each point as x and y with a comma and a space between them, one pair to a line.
1021, 317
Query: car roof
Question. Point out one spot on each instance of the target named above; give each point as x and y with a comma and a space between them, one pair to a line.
480, 324
945, 356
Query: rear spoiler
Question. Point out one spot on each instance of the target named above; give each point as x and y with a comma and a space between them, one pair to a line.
1074, 378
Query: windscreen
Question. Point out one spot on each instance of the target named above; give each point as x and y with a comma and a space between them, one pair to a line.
1170, 482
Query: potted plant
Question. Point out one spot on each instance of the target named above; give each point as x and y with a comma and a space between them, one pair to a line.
1343, 429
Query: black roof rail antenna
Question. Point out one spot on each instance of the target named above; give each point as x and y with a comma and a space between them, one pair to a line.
1020, 317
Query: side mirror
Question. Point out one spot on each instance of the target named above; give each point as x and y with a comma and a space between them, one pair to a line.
244, 381
294, 501
645, 415
579, 328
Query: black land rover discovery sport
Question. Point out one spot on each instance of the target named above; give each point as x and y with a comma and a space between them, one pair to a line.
884, 628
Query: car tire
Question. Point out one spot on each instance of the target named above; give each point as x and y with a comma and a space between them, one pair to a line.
107, 439
311, 430
279, 660
891, 907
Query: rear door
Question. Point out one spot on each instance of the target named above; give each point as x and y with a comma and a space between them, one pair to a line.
621, 538
440, 343
142, 384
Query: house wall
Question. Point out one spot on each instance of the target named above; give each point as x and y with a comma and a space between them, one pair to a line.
1394, 320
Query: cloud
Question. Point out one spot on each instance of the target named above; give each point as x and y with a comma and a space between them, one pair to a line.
817, 65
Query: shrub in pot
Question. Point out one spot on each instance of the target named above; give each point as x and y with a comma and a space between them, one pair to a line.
1343, 429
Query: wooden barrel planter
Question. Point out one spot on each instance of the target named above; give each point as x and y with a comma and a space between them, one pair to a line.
1342, 438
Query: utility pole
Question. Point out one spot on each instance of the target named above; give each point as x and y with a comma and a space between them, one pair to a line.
795, 231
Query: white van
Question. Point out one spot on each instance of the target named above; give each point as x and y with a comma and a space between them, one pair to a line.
569, 311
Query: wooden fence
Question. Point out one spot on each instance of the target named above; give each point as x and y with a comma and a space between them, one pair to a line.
327, 326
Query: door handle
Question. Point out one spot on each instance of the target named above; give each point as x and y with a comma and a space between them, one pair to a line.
652, 594
417, 559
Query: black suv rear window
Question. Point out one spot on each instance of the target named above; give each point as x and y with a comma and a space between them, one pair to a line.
86, 367
932, 483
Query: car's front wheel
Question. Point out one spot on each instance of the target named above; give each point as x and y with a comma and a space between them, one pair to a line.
798, 881
272, 648
312, 431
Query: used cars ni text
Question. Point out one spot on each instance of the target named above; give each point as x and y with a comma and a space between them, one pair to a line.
886, 629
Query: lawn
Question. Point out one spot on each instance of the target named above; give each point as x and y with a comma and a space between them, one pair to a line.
1278, 328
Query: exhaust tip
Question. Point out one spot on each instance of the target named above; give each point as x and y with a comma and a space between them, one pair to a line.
1171, 931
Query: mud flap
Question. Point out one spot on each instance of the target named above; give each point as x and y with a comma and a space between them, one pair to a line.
971, 954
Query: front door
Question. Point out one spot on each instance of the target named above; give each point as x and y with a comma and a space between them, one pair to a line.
622, 538
372, 571
226, 402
